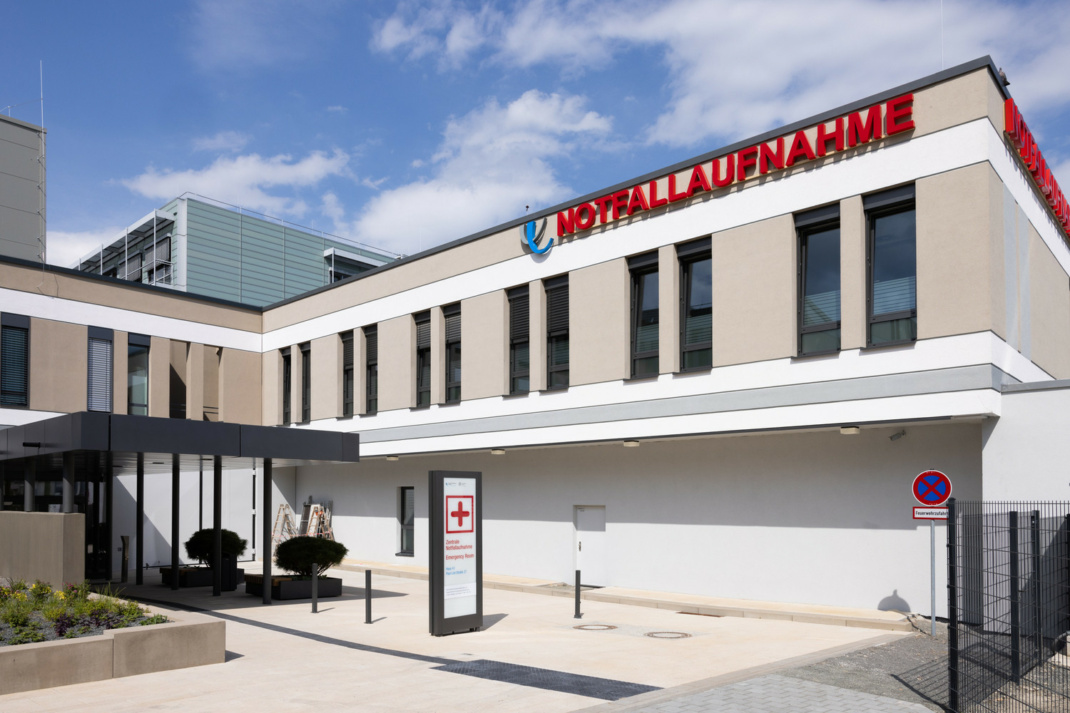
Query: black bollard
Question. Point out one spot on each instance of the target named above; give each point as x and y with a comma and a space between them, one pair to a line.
315, 587
578, 615
367, 596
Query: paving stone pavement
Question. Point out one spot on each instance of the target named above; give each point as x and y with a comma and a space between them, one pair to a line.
780, 694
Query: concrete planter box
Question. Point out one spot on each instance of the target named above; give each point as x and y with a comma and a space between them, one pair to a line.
188, 640
288, 588
202, 576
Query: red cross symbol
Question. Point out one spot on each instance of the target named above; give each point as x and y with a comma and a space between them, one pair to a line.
460, 513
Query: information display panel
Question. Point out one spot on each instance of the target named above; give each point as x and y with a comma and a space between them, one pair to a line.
456, 552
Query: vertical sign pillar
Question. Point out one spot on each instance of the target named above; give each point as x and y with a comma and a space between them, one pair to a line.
455, 517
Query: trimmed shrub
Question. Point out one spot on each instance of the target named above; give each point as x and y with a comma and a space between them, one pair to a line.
200, 546
298, 553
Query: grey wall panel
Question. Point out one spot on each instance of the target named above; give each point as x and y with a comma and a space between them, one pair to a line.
17, 134
19, 160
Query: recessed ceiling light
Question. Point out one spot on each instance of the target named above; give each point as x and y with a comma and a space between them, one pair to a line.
497, 451
849, 430
392, 458
631, 444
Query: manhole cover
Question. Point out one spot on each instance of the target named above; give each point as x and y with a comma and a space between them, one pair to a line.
594, 627
667, 635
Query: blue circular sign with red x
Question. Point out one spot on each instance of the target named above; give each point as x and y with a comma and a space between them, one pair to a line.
932, 488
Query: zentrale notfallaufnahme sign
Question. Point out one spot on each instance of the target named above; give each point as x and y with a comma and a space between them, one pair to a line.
456, 546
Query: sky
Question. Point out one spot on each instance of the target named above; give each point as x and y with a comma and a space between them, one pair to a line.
405, 125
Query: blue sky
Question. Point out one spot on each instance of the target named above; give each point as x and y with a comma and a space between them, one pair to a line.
405, 125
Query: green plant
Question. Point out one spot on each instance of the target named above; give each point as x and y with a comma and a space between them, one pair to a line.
299, 553
200, 546
25, 635
16, 613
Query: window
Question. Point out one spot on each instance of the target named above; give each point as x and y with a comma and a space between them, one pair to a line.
137, 375
452, 316
891, 295
130, 268
423, 359
100, 369
158, 262
14, 360
287, 388
519, 353
645, 338
696, 305
557, 333
347, 374
406, 517
371, 369
819, 280
306, 382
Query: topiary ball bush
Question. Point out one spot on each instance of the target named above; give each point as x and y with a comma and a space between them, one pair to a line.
200, 546
298, 553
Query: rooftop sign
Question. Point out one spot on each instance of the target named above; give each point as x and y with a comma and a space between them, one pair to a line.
1022, 138
861, 127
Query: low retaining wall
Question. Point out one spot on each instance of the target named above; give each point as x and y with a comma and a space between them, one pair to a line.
188, 640
49, 546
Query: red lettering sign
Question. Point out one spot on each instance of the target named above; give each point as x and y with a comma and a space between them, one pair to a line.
1022, 139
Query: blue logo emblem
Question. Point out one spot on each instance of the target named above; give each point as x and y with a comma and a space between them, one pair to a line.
532, 236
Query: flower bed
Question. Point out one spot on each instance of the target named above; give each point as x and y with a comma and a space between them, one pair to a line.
30, 613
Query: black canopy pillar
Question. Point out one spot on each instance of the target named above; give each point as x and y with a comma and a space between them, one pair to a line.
139, 523
175, 498
29, 484
68, 482
265, 519
217, 526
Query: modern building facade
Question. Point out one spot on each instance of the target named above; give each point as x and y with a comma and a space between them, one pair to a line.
719, 378
22, 189
199, 245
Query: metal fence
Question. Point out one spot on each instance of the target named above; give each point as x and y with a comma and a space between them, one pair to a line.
1009, 606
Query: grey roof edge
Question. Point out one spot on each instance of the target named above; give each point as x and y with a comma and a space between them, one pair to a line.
1053, 385
23, 124
71, 272
938, 77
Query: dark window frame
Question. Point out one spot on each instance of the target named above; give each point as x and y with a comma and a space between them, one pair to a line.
347, 374
519, 336
557, 289
423, 361
688, 255
639, 268
371, 370
306, 381
11, 324
136, 344
819, 220
402, 527
880, 205
287, 386
452, 340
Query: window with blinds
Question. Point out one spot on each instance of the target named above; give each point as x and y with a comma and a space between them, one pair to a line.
452, 316
347, 373
423, 359
99, 393
371, 370
306, 382
696, 305
557, 351
137, 375
519, 351
891, 295
645, 313
14, 360
819, 280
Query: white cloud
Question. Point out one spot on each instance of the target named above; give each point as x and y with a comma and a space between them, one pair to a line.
230, 141
733, 69
242, 180
442, 27
67, 246
337, 109
491, 163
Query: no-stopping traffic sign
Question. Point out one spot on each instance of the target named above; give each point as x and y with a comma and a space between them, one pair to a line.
931, 488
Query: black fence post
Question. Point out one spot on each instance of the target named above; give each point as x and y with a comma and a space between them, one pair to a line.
315, 588
1016, 603
952, 610
578, 615
1038, 622
367, 596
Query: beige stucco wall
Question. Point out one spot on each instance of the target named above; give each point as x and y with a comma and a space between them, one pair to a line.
195, 382
438, 356
959, 253
211, 396
852, 273
327, 377
360, 372
119, 368
239, 387
59, 355
159, 377
295, 383
485, 346
599, 307
179, 359
669, 310
754, 293
42, 545
271, 382
397, 363
1049, 305
537, 336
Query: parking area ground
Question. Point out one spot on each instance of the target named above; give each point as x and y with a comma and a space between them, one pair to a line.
529, 657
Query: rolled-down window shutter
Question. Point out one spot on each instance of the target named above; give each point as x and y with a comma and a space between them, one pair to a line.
453, 325
371, 344
423, 334
518, 318
557, 309
347, 350
14, 366
100, 373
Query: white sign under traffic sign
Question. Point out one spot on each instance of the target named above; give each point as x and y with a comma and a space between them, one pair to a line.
930, 513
